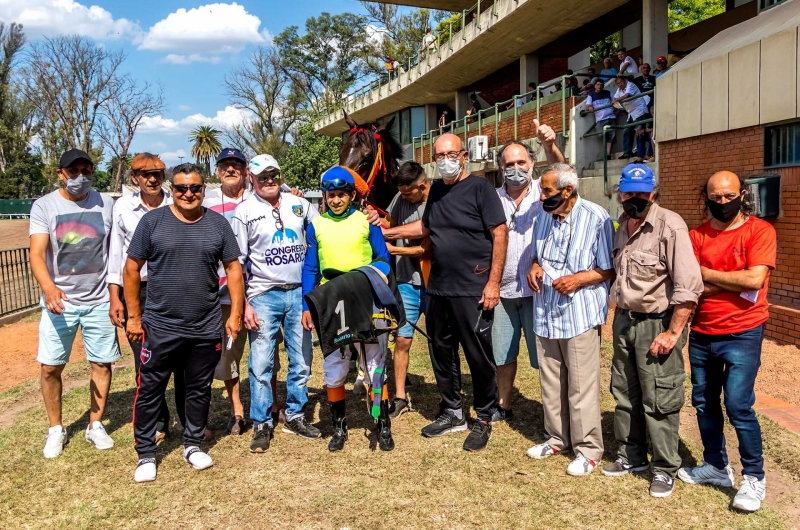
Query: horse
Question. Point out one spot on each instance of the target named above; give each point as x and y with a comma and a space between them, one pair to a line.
372, 151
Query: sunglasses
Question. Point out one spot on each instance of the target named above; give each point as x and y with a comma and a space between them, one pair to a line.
262, 178
183, 188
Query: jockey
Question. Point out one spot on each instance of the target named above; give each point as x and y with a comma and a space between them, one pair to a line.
342, 239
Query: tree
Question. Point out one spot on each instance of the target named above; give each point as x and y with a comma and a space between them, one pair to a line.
128, 103
605, 48
445, 24
684, 13
206, 145
400, 33
115, 161
273, 99
327, 59
308, 157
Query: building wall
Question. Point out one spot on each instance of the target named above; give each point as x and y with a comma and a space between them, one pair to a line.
685, 164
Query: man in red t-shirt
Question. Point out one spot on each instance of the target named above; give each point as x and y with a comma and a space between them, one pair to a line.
736, 252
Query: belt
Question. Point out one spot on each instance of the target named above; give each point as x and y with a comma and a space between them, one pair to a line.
635, 315
286, 287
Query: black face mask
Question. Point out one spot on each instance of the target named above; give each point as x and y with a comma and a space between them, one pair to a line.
552, 204
636, 207
724, 213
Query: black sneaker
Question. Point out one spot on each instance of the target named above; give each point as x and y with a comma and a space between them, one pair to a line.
625, 155
300, 427
479, 436
620, 467
661, 485
262, 434
399, 407
339, 436
446, 423
501, 414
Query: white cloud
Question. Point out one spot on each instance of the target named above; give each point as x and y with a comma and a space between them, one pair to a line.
223, 118
203, 33
48, 18
184, 107
174, 157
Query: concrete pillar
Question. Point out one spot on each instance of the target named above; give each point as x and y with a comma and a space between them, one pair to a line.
528, 71
582, 59
631, 36
462, 104
431, 118
655, 29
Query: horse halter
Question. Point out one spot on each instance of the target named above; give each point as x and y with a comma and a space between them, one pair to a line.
379, 164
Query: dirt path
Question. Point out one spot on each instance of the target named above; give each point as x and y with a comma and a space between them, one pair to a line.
13, 234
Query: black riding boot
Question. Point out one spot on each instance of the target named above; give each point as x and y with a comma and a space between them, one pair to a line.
385, 440
339, 427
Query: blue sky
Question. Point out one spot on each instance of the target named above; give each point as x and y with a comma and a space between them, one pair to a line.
186, 47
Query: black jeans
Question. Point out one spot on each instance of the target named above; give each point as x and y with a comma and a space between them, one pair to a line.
162, 354
162, 424
460, 320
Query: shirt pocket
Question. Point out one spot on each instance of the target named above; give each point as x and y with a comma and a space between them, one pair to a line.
642, 266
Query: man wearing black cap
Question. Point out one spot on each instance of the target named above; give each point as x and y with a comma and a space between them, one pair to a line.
69, 258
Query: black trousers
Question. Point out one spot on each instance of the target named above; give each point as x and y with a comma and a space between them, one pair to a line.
162, 425
163, 354
460, 320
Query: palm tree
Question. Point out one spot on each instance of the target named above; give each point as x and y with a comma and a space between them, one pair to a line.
206, 145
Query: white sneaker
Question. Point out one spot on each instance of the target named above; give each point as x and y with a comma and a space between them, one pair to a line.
705, 473
197, 458
145, 470
581, 466
541, 451
96, 434
750, 494
56, 438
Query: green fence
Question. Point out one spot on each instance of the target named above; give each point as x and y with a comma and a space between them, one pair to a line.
15, 207
18, 288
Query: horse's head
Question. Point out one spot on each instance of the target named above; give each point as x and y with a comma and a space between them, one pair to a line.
360, 152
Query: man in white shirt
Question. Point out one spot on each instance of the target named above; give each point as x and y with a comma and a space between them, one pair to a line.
269, 227
147, 173
627, 66
599, 102
636, 107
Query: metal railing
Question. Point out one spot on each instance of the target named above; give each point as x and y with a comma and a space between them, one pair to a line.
18, 288
607, 128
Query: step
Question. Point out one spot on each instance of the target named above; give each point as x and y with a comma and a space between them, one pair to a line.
596, 169
616, 164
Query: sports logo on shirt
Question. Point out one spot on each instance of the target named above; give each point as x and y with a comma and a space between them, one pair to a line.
290, 234
145, 355
297, 210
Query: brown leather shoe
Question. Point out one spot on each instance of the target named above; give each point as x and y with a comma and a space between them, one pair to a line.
235, 425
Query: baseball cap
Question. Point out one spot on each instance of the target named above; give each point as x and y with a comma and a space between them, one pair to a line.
147, 162
260, 163
661, 59
71, 156
637, 178
231, 152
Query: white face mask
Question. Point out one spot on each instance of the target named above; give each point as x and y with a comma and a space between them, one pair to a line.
448, 169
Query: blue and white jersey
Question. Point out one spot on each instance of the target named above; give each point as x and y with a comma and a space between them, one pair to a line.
601, 99
582, 242
272, 241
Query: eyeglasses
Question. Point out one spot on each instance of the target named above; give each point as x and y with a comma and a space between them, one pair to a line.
235, 164
452, 155
276, 214
183, 188
266, 177
151, 175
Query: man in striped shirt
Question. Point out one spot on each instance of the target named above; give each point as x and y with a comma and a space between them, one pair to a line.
571, 272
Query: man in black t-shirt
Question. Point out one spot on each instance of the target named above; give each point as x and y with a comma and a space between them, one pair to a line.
465, 221
181, 329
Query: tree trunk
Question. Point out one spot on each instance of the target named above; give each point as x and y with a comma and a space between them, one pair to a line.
118, 176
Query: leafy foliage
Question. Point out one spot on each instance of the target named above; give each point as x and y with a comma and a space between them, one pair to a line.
206, 145
308, 157
605, 48
684, 13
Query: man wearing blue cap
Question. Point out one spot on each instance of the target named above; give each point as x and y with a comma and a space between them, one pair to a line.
657, 287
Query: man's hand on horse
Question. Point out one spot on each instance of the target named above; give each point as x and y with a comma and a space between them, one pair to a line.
373, 216
544, 133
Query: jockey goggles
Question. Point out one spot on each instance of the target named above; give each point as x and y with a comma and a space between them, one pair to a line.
337, 184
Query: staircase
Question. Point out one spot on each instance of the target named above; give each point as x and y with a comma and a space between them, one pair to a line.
615, 166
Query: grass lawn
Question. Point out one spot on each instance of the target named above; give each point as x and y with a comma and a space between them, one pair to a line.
298, 484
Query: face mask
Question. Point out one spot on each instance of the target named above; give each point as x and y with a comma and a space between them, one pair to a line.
516, 177
725, 212
448, 169
636, 207
552, 204
79, 186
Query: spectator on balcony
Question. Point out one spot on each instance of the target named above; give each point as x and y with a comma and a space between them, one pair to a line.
627, 65
556, 88
608, 72
532, 90
599, 102
428, 42
572, 87
475, 106
626, 98
392, 66
443, 121
646, 82
661, 66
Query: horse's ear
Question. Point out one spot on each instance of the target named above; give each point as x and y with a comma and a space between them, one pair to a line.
349, 121
387, 125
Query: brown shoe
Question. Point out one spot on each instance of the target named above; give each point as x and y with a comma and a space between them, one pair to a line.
160, 436
235, 425
208, 435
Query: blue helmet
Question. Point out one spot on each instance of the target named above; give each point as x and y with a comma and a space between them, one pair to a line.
338, 178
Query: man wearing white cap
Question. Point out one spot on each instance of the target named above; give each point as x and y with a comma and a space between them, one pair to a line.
269, 227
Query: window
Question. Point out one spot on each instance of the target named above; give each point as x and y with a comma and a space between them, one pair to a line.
782, 145
766, 4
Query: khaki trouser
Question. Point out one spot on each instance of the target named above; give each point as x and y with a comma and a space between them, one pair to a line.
648, 391
569, 371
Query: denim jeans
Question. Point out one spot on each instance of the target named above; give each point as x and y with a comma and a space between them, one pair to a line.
513, 317
727, 363
274, 308
643, 146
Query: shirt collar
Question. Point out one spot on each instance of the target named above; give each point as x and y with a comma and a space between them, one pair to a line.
571, 215
141, 205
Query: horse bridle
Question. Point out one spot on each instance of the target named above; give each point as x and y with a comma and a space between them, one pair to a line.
378, 164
